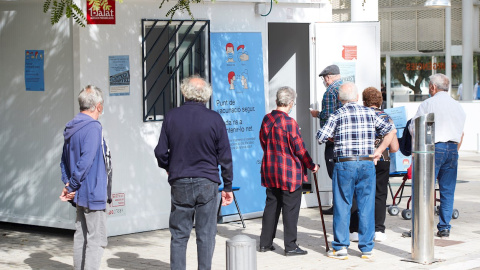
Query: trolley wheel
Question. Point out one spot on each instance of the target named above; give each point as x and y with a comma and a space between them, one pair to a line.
455, 214
407, 214
436, 210
393, 210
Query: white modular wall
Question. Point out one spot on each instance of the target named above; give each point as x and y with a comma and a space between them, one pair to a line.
31, 142
32, 122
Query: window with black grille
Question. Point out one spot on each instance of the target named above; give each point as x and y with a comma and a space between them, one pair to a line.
172, 50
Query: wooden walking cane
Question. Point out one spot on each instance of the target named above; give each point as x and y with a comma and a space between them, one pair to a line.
321, 213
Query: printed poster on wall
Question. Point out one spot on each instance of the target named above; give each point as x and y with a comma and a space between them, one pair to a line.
347, 70
239, 97
119, 72
34, 79
117, 207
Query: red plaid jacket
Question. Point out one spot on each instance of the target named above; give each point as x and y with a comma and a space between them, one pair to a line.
284, 154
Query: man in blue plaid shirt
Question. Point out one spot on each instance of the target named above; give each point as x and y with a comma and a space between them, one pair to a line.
353, 128
331, 80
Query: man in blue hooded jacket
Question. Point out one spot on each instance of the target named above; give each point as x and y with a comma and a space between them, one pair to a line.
85, 179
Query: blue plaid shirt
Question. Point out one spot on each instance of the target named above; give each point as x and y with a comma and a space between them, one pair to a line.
353, 128
330, 102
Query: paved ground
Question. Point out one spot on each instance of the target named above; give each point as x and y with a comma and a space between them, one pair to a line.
30, 247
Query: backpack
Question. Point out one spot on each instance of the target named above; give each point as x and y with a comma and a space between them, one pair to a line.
405, 142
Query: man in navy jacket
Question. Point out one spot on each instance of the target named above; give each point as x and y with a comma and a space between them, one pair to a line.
85, 179
193, 143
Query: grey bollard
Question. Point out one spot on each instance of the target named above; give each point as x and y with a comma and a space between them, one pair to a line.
423, 189
241, 253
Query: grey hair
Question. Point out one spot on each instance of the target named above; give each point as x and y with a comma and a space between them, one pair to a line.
89, 97
196, 88
285, 96
440, 81
348, 92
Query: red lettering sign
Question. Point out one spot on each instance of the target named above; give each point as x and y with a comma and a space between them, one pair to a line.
349, 52
104, 15
427, 66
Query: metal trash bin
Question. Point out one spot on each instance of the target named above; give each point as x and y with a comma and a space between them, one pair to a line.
423, 190
241, 253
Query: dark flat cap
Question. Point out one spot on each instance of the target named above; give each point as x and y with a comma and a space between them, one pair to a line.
330, 70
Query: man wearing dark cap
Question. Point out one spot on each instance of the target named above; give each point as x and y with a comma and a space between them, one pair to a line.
332, 81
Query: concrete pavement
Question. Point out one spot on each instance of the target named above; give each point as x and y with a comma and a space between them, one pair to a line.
30, 247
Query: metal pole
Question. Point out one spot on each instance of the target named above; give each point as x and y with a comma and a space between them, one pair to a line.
388, 81
448, 45
467, 52
423, 189
241, 253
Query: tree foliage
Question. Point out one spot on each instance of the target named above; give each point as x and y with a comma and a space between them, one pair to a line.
61, 8
181, 5
67, 8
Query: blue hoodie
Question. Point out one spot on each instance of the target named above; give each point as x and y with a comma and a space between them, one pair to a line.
82, 162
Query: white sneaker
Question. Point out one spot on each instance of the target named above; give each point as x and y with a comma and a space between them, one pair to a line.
354, 237
367, 255
379, 237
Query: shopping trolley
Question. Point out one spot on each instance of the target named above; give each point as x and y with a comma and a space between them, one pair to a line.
393, 209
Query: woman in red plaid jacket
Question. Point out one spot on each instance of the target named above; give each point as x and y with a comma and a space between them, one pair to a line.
283, 171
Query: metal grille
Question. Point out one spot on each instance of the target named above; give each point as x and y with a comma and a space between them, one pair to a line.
385, 23
341, 17
403, 31
413, 29
407, 3
456, 26
172, 50
431, 29
341, 4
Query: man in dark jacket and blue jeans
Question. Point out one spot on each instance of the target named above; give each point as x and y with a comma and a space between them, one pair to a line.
85, 179
193, 142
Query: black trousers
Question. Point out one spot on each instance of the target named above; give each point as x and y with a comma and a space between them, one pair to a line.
289, 204
329, 158
381, 193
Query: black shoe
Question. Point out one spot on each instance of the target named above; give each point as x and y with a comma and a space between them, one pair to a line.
443, 233
265, 249
295, 252
328, 211
407, 234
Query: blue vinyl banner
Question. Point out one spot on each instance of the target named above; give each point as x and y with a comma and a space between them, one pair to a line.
239, 97
34, 79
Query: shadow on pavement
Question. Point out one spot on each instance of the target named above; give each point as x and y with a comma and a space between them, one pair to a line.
42, 260
128, 260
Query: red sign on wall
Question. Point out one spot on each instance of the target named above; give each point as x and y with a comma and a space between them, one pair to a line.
104, 15
349, 52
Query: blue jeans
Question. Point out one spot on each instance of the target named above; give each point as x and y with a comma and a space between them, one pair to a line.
446, 161
354, 178
193, 197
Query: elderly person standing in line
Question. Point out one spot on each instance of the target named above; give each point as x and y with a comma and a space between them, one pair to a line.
353, 129
193, 143
283, 171
449, 123
373, 98
331, 80
83, 167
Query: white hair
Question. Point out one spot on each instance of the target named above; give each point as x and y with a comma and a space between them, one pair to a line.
348, 92
285, 96
440, 81
195, 88
89, 97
